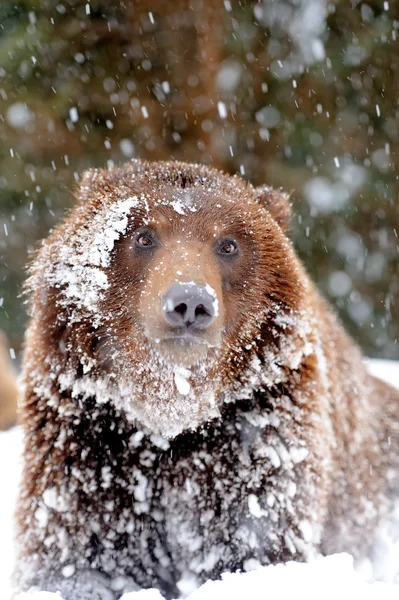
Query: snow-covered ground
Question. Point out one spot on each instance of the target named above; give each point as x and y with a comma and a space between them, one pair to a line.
10, 448
330, 577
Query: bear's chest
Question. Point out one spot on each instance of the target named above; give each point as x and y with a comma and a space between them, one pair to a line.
201, 508
192, 516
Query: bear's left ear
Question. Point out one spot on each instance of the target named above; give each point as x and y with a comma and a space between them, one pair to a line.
277, 203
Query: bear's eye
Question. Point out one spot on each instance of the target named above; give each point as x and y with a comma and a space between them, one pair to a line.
144, 240
228, 247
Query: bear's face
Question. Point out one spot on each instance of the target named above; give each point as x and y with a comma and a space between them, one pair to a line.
189, 277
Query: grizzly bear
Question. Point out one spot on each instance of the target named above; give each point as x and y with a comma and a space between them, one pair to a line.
191, 404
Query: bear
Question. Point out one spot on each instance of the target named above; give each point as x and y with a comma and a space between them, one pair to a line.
191, 404
8, 387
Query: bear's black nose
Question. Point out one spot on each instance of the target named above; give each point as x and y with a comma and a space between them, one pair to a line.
188, 304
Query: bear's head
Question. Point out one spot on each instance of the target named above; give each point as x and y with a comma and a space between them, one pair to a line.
162, 288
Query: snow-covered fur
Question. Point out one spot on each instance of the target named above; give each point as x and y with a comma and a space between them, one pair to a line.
145, 466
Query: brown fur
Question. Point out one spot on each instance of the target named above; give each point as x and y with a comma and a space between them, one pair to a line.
8, 387
285, 447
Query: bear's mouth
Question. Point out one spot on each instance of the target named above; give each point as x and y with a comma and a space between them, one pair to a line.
184, 347
184, 339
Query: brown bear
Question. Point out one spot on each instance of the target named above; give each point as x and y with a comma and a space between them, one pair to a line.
8, 387
191, 404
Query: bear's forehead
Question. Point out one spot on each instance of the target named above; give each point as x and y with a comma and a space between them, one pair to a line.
196, 207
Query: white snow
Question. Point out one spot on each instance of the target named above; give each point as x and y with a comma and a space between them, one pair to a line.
333, 576
178, 207
384, 369
304, 21
181, 381
19, 115
10, 448
80, 270
222, 110
214, 295
325, 196
330, 577
73, 114
39, 596
254, 506
127, 147
268, 116
228, 78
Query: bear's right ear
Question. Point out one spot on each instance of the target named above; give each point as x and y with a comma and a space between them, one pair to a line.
277, 203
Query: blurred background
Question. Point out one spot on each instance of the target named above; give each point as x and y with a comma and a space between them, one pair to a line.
302, 94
